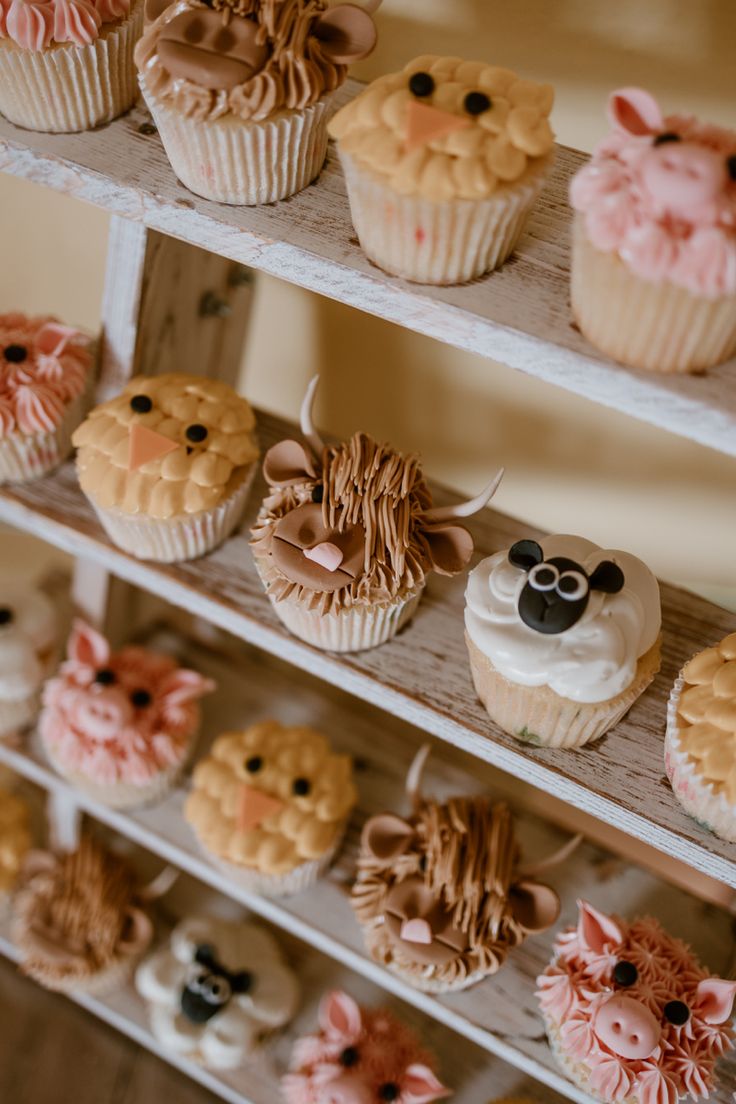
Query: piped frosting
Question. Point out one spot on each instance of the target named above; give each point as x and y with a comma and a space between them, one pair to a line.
44, 365
28, 629
38, 24
15, 837
706, 713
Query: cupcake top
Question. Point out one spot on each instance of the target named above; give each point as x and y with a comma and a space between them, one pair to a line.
444, 128
215, 989
661, 192
166, 446
28, 629
353, 523
43, 364
119, 716
77, 914
271, 798
706, 713
635, 1009
15, 837
250, 58
38, 24
360, 1054
564, 613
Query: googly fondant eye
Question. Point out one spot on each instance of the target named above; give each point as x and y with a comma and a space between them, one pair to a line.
300, 787
318, 492
544, 576
349, 1057
6, 615
105, 677
625, 973
15, 354
197, 981
253, 764
668, 136
676, 1012
141, 404
572, 586
216, 990
475, 103
196, 433
421, 84
141, 698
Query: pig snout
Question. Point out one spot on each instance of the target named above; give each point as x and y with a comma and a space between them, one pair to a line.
685, 179
102, 716
627, 1027
347, 1089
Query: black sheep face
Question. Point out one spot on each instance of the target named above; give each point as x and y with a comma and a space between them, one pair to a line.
555, 595
210, 986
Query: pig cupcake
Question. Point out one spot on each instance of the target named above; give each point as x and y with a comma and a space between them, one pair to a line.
654, 240
120, 725
28, 633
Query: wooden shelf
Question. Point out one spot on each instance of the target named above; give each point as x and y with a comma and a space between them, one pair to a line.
423, 675
519, 316
499, 1015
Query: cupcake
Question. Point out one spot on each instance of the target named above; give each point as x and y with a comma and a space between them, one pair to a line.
241, 90
67, 65
347, 535
78, 919
439, 895
360, 1054
120, 726
215, 990
15, 841
654, 239
443, 162
270, 805
46, 375
700, 743
168, 464
28, 630
630, 1013
563, 637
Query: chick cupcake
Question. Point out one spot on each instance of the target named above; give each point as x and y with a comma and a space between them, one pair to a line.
241, 90
443, 162
563, 637
28, 633
167, 465
700, 742
654, 242
270, 805
15, 842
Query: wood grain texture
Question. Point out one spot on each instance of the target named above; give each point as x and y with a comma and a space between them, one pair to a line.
519, 316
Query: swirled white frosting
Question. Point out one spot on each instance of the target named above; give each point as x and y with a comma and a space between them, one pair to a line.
592, 661
23, 641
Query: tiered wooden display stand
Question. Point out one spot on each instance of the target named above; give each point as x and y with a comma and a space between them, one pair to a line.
176, 297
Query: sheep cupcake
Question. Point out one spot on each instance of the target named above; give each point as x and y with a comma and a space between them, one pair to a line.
563, 637
28, 633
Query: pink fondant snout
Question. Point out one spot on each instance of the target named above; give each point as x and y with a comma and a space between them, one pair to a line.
347, 1089
683, 178
416, 930
102, 716
327, 555
627, 1027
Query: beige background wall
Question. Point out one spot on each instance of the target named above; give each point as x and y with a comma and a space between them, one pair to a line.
571, 465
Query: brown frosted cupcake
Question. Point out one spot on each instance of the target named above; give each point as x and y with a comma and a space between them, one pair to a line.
15, 841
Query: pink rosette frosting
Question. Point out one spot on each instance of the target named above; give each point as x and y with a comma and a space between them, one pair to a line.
37, 24
119, 716
43, 367
76, 21
661, 192
30, 24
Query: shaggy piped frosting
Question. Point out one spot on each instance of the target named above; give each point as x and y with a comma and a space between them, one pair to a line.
15, 837
707, 716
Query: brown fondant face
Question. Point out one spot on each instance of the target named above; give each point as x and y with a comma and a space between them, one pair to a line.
303, 529
413, 900
216, 50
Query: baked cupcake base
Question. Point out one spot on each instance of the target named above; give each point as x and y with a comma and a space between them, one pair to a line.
537, 715
26, 456
120, 795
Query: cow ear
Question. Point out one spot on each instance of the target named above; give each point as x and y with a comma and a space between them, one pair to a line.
346, 33
450, 548
386, 836
607, 577
715, 1000
340, 1016
525, 554
287, 463
635, 112
420, 1085
535, 906
596, 930
87, 646
137, 932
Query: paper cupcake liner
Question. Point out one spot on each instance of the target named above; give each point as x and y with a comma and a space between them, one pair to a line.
298, 880
657, 327
26, 456
121, 795
16, 715
447, 242
112, 978
66, 88
233, 161
537, 715
712, 810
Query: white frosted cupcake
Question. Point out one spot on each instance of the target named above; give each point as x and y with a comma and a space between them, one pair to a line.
563, 637
443, 162
700, 743
28, 634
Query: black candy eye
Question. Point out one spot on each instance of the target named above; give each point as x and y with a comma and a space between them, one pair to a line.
389, 1091
301, 787
105, 676
196, 433
677, 1012
15, 354
141, 404
731, 166
254, 764
6, 615
625, 973
475, 103
318, 492
349, 1057
668, 136
141, 698
421, 84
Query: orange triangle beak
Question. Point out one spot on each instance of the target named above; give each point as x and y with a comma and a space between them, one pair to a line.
145, 445
254, 806
427, 123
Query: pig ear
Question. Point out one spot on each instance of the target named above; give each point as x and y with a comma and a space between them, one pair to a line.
87, 646
53, 338
634, 111
595, 929
450, 548
535, 906
287, 463
715, 1000
339, 1016
386, 836
345, 33
420, 1086
185, 686
525, 554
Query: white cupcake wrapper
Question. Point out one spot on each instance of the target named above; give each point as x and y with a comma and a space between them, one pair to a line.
66, 88
246, 163
121, 795
302, 878
437, 985
17, 715
448, 242
575, 1070
26, 456
712, 810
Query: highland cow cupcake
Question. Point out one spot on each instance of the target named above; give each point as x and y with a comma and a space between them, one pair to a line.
654, 241
347, 536
271, 805
241, 90
67, 65
168, 464
563, 637
120, 725
28, 632
46, 375
700, 743
443, 162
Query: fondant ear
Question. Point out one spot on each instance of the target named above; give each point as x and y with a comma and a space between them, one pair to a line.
287, 463
152, 9
137, 932
715, 1000
420, 1086
525, 554
346, 33
88, 646
607, 577
634, 111
386, 836
53, 338
339, 1016
450, 548
185, 686
596, 930
535, 906
241, 981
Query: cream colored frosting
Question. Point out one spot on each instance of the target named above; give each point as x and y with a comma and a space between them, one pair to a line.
26, 641
594, 660
707, 716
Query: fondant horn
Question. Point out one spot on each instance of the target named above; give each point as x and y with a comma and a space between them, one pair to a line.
466, 509
315, 441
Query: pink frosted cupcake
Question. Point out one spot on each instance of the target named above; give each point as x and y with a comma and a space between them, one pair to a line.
46, 373
120, 725
654, 244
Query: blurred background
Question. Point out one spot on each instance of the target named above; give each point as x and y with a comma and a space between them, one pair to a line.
571, 465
